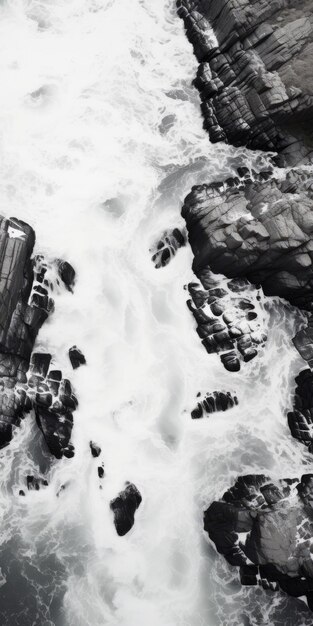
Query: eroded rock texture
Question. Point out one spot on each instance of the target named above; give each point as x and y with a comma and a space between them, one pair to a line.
213, 403
300, 420
256, 78
256, 227
25, 303
124, 508
54, 402
265, 527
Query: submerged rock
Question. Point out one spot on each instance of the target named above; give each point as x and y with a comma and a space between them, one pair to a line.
167, 246
265, 527
124, 508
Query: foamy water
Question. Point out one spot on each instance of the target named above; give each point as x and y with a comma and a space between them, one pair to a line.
88, 160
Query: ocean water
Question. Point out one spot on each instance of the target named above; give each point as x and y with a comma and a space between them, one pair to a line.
101, 139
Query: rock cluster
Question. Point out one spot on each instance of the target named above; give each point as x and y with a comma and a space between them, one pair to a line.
266, 528
76, 357
300, 419
227, 319
255, 76
213, 403
164, 250
25, 303
124, 508
54, 402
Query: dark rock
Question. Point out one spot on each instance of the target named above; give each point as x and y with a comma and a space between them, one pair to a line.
34, 484
95, 450
300, 420
76, 357
213, 403
256, 85
21, 492
100, 471
67, 274
124, 508
260, 232
167, 246
265, 527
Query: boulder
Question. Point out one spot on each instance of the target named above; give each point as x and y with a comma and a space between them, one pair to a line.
124, 507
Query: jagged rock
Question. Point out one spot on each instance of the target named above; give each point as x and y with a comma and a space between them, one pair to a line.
261, 231
213, 403
224, 322
265, 527
167, 246
300, 420
67, 274
95, 450
256, 83
124, 508
76, 357
54, 402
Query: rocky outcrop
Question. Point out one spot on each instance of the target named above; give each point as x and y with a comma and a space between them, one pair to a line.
124, 508
229, 318
300, 420
257, 227
25, 303
54, 402
214, 403
255, 76
265, 527
165, 249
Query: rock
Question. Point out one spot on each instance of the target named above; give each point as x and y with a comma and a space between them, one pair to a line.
95, 450
53, 399
213, 403
256, 83
124, 508
223, 317
300, 420
274, 231
34, 484
76, 357
167, 246
100, 471
67, 274
265, 527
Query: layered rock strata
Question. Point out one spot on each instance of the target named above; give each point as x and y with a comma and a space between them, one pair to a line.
255, 75
25, 303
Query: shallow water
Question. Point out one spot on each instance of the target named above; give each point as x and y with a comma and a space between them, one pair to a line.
88, 160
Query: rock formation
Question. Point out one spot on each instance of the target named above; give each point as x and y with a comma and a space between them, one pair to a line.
124, 508
255, 76
300, 420
265, 527
213, 403
25, 303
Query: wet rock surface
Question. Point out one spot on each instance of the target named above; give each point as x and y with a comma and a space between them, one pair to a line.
213, 403
257, 227
265, 528
256, 80
165, 249
76, 357
124, 508
300, 420
229, 318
